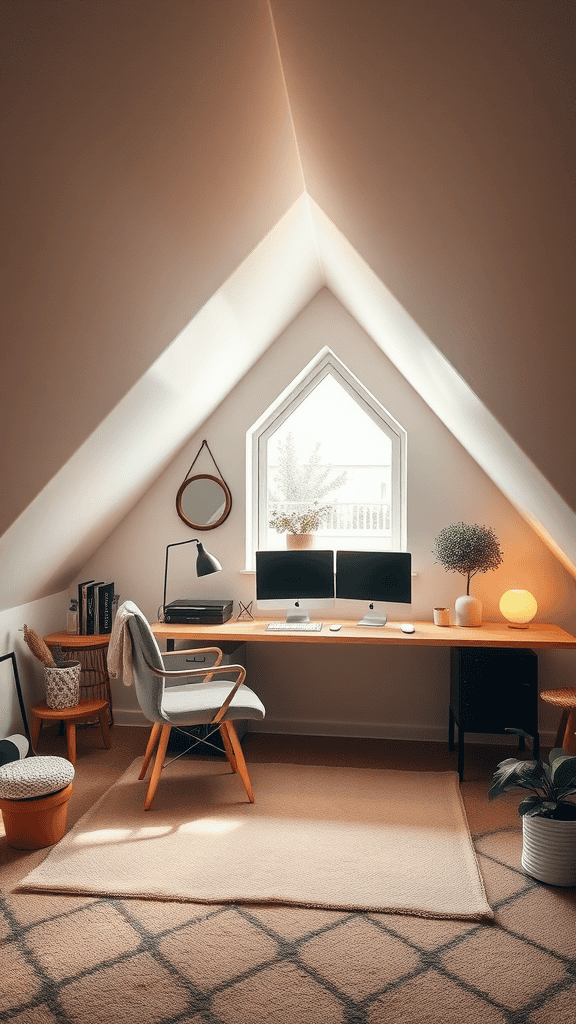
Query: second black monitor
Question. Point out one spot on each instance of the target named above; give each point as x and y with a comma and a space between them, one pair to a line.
374, 577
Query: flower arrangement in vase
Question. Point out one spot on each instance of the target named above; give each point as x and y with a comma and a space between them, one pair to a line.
468, 549
301, 524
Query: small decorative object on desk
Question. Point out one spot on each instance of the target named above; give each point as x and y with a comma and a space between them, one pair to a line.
245, 611
548, 812
441, 617
468, 550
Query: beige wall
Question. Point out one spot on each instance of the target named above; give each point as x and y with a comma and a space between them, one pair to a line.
355, 692
147, 150
45, 616
439, 138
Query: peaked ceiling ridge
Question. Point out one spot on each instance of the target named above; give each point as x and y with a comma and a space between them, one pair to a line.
286, 94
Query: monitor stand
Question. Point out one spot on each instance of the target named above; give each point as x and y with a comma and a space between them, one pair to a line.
297, 616
373, 618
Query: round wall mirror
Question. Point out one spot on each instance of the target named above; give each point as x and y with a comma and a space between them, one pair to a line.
203, 502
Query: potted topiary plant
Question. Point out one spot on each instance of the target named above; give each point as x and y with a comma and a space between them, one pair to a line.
468, 550
548, 811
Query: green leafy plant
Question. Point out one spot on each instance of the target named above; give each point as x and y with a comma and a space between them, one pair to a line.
298, 522
551, 785
467, 550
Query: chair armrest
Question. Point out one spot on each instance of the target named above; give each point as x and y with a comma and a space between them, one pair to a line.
213, 670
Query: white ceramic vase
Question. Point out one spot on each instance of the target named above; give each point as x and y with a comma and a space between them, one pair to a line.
468, 611
549, 850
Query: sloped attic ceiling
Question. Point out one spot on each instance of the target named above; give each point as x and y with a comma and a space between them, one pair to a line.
456, 201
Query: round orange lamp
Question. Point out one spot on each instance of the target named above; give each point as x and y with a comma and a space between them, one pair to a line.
519, 607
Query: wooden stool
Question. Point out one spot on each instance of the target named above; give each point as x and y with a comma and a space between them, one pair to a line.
84, 709
564, 698
91, 652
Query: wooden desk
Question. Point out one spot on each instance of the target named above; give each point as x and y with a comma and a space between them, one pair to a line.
491, 634
469, 691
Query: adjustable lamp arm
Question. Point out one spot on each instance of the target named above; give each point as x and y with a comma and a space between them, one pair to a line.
205, 564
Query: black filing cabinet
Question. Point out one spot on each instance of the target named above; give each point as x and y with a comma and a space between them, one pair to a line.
492, 689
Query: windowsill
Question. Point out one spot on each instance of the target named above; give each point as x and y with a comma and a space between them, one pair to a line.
252, 572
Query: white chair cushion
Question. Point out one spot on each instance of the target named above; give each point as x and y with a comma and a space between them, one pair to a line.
34, 777
197, 703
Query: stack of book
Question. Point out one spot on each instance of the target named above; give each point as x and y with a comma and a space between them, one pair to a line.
95, 608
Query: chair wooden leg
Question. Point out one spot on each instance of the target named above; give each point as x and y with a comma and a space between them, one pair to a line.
71, 740
151, 747
228, 747
103, 716
159, 761
240, 762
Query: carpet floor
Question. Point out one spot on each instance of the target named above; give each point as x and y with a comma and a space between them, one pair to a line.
335, 837
81, 959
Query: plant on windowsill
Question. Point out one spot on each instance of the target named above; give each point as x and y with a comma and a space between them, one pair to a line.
302, 482
468, 550
548, 811
300, 524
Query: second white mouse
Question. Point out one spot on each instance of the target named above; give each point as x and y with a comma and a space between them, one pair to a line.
406, 627
335, 627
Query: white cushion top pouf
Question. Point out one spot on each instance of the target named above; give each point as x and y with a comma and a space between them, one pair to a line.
34, 777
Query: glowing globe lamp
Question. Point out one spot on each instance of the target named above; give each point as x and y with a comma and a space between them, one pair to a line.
518, 606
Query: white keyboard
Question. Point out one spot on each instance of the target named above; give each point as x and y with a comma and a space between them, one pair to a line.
295, 627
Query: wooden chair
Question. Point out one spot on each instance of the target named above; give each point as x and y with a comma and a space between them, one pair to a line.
214, 702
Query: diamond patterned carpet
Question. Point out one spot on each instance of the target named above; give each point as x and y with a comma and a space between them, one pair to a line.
78, 960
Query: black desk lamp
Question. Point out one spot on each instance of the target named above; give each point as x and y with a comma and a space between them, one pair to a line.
205, 564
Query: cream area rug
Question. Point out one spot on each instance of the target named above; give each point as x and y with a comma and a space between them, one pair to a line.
340, 838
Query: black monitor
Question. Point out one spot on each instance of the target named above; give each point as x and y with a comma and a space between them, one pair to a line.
374, 576
295, 581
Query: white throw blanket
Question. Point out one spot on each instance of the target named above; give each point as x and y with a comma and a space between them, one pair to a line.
120, 646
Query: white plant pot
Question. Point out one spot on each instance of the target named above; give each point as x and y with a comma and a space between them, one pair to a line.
549, 850
468, 611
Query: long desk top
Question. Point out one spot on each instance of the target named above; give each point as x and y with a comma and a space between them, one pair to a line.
490, 634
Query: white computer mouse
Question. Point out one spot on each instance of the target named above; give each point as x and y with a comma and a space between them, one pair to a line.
406, 627
335, 627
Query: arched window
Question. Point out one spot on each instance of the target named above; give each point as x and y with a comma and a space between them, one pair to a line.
326, 456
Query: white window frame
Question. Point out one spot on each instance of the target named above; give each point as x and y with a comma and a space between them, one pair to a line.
326, 362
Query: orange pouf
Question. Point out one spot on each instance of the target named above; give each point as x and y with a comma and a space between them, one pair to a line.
38, 822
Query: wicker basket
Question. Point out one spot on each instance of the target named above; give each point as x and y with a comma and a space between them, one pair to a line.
62, 685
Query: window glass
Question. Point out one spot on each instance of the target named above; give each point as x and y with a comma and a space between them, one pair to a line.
326, 458
329, 457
